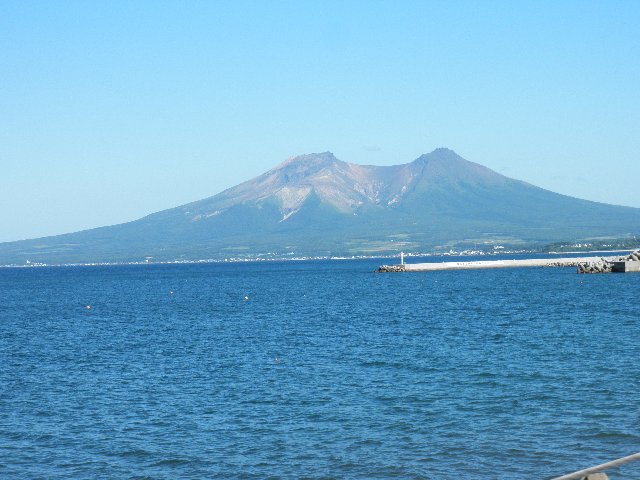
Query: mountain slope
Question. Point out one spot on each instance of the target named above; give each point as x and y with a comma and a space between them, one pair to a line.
317, 205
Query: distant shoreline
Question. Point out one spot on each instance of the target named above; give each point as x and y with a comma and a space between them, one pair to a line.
309, 259
594, 251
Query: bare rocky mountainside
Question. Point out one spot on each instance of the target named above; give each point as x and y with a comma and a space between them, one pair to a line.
315, 205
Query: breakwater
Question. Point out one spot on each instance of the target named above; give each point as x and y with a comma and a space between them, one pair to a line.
532, 262
623, 264
583, 264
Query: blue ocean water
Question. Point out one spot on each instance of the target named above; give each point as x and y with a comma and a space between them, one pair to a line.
327, 370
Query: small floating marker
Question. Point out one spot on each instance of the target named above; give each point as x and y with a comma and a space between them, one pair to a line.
278, 360
88, 307
170, 292
246, 298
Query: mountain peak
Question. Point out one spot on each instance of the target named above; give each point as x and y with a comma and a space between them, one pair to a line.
443, 163
442, 154
322, 159
444, 150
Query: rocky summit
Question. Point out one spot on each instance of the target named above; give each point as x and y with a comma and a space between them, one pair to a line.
317, 205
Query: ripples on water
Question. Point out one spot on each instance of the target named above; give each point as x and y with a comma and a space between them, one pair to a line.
327, 370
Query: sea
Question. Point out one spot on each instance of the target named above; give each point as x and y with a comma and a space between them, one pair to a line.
316, 369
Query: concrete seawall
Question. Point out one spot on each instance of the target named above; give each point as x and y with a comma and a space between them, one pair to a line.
534, 262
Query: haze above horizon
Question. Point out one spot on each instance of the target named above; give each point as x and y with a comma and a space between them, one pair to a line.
115, 110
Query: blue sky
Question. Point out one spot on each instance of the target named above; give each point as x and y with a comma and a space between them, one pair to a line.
113, 110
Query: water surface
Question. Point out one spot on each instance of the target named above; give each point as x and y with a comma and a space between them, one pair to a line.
326, 371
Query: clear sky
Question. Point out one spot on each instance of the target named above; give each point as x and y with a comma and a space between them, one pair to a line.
113, 110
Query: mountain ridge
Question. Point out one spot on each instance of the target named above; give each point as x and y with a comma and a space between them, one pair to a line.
295, 178
316, 204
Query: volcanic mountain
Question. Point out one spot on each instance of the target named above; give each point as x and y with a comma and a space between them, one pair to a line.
318, 205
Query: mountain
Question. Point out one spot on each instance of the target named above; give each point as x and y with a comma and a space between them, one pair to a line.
318, 205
